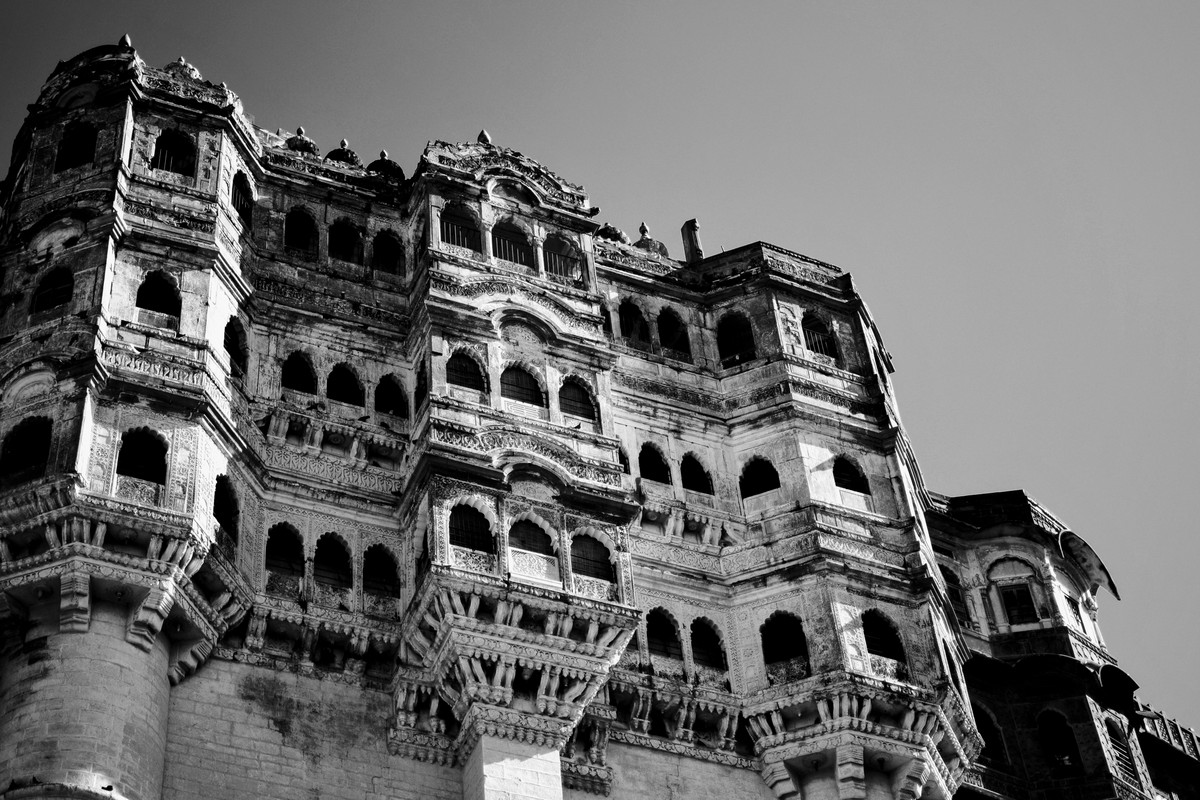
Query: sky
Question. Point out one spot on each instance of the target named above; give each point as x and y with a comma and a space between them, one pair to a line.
1015, 187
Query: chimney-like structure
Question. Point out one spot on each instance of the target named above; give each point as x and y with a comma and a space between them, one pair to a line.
692, 249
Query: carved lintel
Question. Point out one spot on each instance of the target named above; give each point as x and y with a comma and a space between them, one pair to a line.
75, 602
779, 779
149, 616
850, 772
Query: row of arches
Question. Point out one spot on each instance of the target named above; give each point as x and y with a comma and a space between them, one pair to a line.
345, 242
343, 385
470, 529
332, 565
511, 243
518, 383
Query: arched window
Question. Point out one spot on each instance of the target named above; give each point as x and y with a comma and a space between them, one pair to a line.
458, 228
298, 374
848, 476
623, 460
1123, 754
652, 466
562, 263
235, 346
673, 336
817, 338
994, 750
591, 559
241, 197
285, 551
54, 291
25, 452
300, 233
158, 296
509, 243
421, 389
758, 476
707, 650
469, 528
76, 148
461, 370
527, 535
143, 457
735, 340
958, 598
693, 475
331, 563
575, 400
633, 325
882, 638
381, 577
1058, 745
517, 384
784, 648
225, 507
387, 253
390, 397
662, 637
175, 151
345, 242
342, 385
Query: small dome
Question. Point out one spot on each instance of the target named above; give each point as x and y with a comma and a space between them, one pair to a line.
302, 144
182, 69
612, 234
386, 168
344, 155
650, 244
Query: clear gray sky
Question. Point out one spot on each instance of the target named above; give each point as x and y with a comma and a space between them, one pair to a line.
1015, 186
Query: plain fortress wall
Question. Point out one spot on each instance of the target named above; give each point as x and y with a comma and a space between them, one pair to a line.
640, 773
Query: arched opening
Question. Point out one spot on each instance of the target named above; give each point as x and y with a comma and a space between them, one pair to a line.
54, 291
528, 535
758, 477
25, 452
562, 263
784, 648
241, 197
225, 509
421, 389
623, 460
735, 340
387, 253
509, 243
284, 560
652, 466
707, 650
591, 559
345, 242
390, 397
958, 598
462, 370
381, 576
235, 346
343, 386
1122, 754
575, 400
458, 228
516, 383
143, 457
673, 336
883, 645
994, 751
300, 233
662, 637
634, 329
694, 476
298, 374
817, 338
1057, 741
77, 147
158, 301
469, 528
331, 563
846, 475
175, 151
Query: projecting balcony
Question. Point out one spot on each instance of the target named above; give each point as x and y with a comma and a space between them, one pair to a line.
781, 672
889, 668
595, 588
473, 560
139, 491
535, 567
458, 235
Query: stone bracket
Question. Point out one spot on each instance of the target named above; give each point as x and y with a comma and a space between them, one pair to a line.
75, 602
148, 617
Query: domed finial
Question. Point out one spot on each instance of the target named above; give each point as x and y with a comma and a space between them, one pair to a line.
484, 137
343, 143
300, 131
383, 154
643, 230
181, 60
125, 41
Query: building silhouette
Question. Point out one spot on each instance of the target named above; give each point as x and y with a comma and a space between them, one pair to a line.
320, 480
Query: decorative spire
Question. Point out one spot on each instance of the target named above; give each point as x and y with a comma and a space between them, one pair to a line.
125, 41
484, 137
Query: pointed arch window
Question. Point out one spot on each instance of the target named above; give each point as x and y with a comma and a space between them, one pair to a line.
142, 467
735, 340
300, 233
345, 242
662, 637
381, 576
817, 338
634, 330
994, 750
529, 536
707, 650
758, 477
234, 341
652, 466
343, 386
158, 302
516, 383
298, 374
884, 647
331, 563
241, 197
1058, 745
694, 476
591, 559
284, 561
462, 370
175, 151
225, 508
469, 528
562, 263
958, 597
575, 400
387, 253
854, 489
458, 228
673, 336
784, 648
390, 397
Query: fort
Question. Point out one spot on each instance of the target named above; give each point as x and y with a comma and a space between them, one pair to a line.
322, 480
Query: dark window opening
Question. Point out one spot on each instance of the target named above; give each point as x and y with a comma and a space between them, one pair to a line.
76, 148
882, 638
381, 577
300, 233
387, 253
342, 385
758, 477
235, 346
143, 456
345, 242
461, 370
590, 558
174, 151
1123, 754
331, 563
606, 322
1058, 745
158, 294
458, 228
225, 507
469, 528
673, 336
241, 197
562, 264
633, 326
517, 384
390, 397
285, 551
994, 751
662, 637
509, 244
735, 340
693, 475
623, 460
1018, 604
528, 535
958, 598
26, 452
54, 291
574, 400
298, 374
421, 390
817, 338
652, 466
783, 639
847, 476
706, 646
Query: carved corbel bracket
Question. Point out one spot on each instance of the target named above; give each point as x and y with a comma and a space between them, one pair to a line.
149, 616
75, 602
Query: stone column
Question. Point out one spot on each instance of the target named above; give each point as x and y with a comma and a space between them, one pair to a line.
506, 769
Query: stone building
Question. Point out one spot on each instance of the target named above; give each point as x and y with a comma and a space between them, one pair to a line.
320, 480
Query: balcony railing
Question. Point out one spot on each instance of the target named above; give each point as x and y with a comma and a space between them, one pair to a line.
379, 605
331, 596
562, 268
460, 235
156, 319
473, 560
514, 251
820, 343
139, 491
637, 343
595, 588
527, 410
781, 672
282, 585
888, 668
533, 565
711, 677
